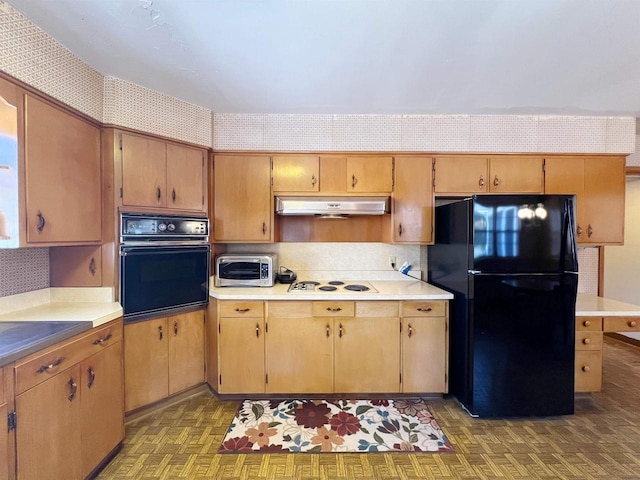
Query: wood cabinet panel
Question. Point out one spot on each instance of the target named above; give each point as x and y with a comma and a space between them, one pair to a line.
146, 362
186, 350
413, 200
516, 174
241, 309
144, 176
588, 370
333, 174
296, 173
242, 355
4, 446
367, 355
47, 443
369, 174
589, 323
186, 189
77, 266
586, 340
333, 308
424, 354
62, 176
243, 202
299, 355
419, 308
370, 308
621, 324
461, 174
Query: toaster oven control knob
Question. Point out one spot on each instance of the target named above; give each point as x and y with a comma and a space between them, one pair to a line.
171, 227
162, 227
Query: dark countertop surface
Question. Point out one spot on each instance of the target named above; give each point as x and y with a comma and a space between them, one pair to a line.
19, 339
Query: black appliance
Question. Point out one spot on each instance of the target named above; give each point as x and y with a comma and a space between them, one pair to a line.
510, 261
164, 264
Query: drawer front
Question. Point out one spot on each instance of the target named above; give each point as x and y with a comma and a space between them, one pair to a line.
622, 324
588, 340
241, 309
38, 367
333, 309
424, 309
589, 323
287, 309
588, 372
377, 309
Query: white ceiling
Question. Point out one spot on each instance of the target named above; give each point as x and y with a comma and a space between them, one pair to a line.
363, 56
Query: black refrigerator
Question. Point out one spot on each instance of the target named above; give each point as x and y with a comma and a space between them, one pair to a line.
510, 261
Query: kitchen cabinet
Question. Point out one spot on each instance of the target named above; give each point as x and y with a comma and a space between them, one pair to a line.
599, 185
588, 361
78, 266
357, 174
162, 356
412, 215
7, 438
367, 349
472, 174
299, 349
68, 405
243, 204
425, 346
295, 173
241, 347
162, 175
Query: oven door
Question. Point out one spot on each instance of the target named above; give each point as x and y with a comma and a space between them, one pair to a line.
163, 279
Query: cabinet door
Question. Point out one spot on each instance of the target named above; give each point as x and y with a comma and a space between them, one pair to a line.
413, 200
296, 173
243, 203
516, 174
367, 355
565, 175
333, 174
186, 350
424, 355
185, 178
461, 174
299, 355
102, 394
241, 355
4, 445
62, 172
47, 440
78, 266
369, 174
144, 171
603, 203
146, 362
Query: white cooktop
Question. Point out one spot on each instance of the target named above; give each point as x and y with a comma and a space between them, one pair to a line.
331, 287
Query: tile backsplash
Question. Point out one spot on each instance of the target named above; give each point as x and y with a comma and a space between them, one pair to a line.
23, 270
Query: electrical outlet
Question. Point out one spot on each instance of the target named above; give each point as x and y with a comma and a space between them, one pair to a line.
392, 262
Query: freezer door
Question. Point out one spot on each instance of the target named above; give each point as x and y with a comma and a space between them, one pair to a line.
522, 344
523, 234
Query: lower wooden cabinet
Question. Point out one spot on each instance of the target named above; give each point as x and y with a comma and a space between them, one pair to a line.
329, 347
162, 356
7, 439
69, 406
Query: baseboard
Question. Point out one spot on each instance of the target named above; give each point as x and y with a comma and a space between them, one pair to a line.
152, 408
623, 338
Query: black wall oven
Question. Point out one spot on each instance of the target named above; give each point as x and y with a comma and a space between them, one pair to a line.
164, 264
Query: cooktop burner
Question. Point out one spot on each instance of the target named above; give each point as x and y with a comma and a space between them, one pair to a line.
334, 286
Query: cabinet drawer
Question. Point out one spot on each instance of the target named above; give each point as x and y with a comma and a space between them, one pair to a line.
587, 340
621, 324
333, 309
241, 309
589, 323
40, 366
588, 371
287, 309
377, 309
424, 309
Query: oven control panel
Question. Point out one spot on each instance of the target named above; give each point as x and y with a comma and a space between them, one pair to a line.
139, 226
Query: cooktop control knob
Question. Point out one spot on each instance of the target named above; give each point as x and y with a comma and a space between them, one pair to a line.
171, 227
162, 227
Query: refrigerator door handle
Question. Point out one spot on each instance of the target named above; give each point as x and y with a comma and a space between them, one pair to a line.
570, 263
474, 272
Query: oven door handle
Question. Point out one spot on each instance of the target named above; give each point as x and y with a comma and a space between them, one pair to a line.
162, 250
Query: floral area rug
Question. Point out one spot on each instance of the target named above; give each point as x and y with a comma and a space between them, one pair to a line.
264, 426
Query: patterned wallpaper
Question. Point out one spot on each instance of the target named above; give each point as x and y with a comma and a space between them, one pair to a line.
23, 270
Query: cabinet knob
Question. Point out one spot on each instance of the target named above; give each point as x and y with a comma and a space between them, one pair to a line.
579, 230
101, 341
160, 332
481, 181
424, 309
313, 180
257, 330
175, 328
496, 181
92, 266
340, 330
586, 341
632, 323
264, 228
158, 193
400, 230
334, 309
410, 333
91, 377
51, 366
173, 195
73, 389
242, 310
586, 323
354, 180
589, 231
41, 222
327, 330
586, 368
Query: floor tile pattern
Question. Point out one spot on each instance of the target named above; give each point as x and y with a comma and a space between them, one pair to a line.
601, 441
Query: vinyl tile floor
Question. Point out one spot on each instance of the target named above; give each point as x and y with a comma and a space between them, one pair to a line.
600, 441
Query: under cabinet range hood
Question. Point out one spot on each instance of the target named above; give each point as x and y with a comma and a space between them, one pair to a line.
332, 207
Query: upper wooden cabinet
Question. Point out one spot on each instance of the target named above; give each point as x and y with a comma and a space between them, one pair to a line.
243, 204
369, 174
62, 176
162, 175
471, 174
413, 200
295, 173
599, 185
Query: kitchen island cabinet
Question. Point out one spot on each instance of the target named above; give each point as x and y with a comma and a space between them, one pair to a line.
598, 182
162, 356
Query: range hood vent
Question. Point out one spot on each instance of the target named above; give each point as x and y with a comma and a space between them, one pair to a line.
332, 207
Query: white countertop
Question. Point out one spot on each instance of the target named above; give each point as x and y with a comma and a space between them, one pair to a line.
401, 289
594, 306
93, 305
